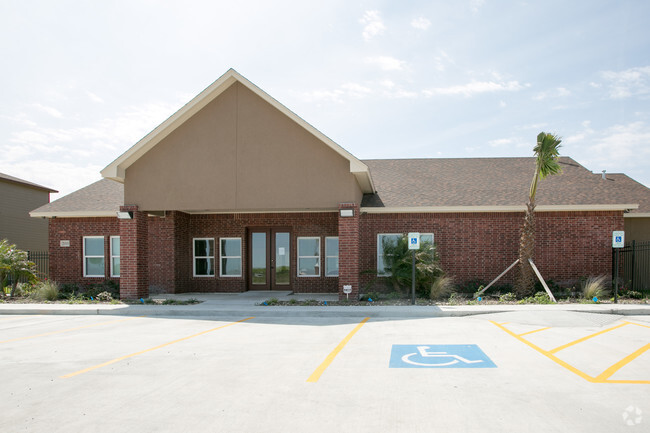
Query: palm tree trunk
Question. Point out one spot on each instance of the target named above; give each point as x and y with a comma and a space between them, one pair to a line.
526, 278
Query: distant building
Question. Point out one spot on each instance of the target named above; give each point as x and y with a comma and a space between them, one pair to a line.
17, 198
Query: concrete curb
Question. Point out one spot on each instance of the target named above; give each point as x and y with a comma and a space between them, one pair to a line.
403, 312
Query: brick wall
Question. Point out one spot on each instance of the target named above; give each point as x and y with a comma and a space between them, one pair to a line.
349, 251
134, 251
470, 245
66, 263
481, 246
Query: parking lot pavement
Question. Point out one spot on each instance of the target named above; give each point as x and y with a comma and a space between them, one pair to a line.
279, 374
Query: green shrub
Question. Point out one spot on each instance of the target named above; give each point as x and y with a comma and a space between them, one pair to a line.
633, 294
538, 298
399, 263
508, 297
455, 298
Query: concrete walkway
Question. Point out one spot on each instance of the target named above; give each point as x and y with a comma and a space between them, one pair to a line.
248, 303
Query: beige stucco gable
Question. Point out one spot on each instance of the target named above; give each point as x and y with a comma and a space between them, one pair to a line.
240, 153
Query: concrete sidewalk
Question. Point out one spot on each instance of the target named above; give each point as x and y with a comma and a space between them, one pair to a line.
248, 303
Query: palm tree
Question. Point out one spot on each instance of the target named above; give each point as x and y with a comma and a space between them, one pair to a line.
15, 264
546, 154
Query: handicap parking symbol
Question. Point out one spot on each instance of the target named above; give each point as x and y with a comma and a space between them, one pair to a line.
439, 356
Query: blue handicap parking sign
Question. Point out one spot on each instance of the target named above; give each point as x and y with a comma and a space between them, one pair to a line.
439, 356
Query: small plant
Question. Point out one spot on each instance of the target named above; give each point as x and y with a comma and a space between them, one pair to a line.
507, 297
455, 298
539, 298
104, 297
272, 301
633, 294
46, 291
293, 301
594, 287
441, 287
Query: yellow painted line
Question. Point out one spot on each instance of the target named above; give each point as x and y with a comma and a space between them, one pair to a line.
638, 324
536, 330
321, 368
131, 355
601, 378
548, 354
580, 340
622, 363
68, 330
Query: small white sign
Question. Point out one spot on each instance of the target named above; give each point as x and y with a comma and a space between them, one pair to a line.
414, 241
64, 243
618, 239
280, 251
347, 289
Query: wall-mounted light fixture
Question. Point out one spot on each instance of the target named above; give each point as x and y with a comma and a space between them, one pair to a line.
125, 215
345, 213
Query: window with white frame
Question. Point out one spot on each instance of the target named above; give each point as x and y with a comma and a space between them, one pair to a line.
384, 240
93, 249
203, 257
230, 254
308, 257
426, 238
332, 256
115, 256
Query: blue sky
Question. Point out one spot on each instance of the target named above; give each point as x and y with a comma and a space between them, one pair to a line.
83, 81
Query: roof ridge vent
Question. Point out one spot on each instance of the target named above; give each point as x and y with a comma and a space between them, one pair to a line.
604, 175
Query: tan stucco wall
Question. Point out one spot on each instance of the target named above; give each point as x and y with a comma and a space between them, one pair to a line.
239, 153
29, 234
637, 229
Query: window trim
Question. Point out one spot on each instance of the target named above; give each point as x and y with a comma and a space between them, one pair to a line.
298, 256
241, 263
113, 256
103, 256
425, 234
327, 256
385, 274
194, 257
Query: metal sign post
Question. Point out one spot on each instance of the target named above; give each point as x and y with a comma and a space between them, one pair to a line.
414, 244
618, 242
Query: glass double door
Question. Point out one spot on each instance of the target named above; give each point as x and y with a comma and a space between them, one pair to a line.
269, 259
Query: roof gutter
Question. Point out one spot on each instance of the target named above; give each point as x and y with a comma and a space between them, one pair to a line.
517, 208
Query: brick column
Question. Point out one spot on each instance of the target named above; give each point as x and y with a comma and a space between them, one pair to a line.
134, 281
349, 250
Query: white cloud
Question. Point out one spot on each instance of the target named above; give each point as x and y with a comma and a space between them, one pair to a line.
559, 92
475, 5
442, 61
421, 23
373, 24
386, 63
356, 90
620, 148
627, 83
475, 88
383, 89
94, 97
48, 110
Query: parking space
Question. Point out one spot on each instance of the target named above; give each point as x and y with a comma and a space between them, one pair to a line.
70, 373
615, 354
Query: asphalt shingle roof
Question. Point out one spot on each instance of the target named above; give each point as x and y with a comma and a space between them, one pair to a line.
104, 196
494, 182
